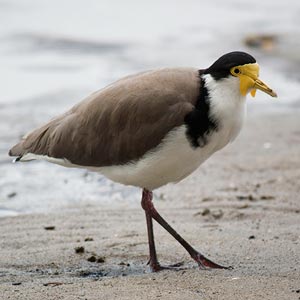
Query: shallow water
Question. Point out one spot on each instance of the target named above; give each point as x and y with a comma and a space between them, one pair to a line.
54, 53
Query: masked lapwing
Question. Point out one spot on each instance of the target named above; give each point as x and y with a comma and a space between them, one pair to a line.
150, 129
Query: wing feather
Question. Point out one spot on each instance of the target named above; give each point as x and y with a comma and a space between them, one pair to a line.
119, 123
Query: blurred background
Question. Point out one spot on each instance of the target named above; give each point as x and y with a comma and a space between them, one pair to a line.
54, 53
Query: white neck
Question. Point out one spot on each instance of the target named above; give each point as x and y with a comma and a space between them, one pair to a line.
227, 105
224, 96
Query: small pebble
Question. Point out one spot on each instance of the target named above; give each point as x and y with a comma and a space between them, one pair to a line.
88, 239
49, 227
79, 250
247, 197
92, 258
244, 206
206, 199
205, 212
52, 284
100, 260
267, 197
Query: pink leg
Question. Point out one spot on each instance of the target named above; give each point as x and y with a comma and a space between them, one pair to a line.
151, 213
153, 261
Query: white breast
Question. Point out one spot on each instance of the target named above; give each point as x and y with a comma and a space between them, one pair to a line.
228, 106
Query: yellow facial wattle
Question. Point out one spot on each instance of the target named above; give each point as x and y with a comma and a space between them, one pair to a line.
246, 84
249, 82
253, 92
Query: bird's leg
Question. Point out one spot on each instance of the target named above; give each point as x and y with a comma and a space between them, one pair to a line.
151, 212
153, 261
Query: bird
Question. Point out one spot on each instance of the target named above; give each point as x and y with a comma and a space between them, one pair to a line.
150, 129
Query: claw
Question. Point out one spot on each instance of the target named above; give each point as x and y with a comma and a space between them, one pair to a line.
156, 267
205, 263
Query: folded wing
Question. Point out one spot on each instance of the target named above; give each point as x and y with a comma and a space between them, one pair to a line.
119, 123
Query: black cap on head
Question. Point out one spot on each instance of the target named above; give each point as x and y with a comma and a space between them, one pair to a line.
221, 67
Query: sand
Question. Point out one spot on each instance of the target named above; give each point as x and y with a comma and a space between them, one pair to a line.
241, 208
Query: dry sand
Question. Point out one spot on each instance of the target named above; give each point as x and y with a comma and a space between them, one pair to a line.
241, 208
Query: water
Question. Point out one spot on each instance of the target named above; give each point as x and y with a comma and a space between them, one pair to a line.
54, 53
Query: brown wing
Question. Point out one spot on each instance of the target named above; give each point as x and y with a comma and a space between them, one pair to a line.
119, 123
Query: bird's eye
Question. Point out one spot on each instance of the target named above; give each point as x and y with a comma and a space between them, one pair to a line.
236, 71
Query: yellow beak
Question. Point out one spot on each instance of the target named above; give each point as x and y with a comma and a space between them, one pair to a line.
249, 80
263, 87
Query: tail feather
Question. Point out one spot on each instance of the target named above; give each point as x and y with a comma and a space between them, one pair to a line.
17, 150
30, 143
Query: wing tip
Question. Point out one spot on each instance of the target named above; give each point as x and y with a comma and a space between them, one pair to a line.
15, 151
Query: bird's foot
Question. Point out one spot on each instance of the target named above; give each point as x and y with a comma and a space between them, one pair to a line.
156, 266
205, 263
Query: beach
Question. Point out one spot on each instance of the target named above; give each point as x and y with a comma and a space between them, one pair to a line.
241, 208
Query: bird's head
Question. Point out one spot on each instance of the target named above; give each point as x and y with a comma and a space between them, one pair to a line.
242, 66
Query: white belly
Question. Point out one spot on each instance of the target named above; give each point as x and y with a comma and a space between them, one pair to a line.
171, 162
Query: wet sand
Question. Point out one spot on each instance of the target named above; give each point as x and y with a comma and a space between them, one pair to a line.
241, 208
